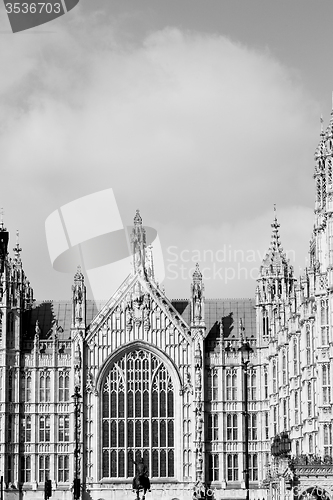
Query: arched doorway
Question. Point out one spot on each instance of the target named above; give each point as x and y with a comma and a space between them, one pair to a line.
137, 411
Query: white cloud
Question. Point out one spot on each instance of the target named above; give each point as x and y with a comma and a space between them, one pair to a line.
230, 255
196, 130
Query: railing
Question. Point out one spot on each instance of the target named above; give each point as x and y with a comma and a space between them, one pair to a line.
301, 460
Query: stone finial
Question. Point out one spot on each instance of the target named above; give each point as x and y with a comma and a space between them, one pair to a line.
137, 219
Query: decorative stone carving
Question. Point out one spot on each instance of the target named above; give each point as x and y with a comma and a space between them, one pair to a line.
138, 309
197, 288
187, 387
77, 365
90, 383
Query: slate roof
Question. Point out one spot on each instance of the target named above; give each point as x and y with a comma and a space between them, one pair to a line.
227, 311
58, 314
54, 313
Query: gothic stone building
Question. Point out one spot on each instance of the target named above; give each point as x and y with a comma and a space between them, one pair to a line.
162, 378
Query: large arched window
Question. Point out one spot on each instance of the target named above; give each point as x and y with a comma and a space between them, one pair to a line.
137, 416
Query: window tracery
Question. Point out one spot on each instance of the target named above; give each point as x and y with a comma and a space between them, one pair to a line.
231, 384
213, 465
26, 468
252, 384
274, 376
213, 427
232, 427
138, 416
326, 385
44, 387
232, 467
308, 346
63, 381
328, 440
324, 322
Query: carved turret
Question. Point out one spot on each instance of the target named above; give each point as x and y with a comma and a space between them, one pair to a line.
276, 277
276, 284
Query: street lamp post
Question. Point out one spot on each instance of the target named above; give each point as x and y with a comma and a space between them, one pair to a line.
76, 396
245, 351
280, 450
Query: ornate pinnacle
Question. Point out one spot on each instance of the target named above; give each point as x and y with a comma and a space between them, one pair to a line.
275, 235
275, 243
78, 275
37, 329
197, 276
137, 219
275, 252
2, 226
17, 248
241, 329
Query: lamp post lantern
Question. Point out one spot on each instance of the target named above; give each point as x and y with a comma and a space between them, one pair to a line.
245, 350
280, 450
77, 484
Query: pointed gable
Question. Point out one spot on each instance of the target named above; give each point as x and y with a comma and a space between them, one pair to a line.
138, 310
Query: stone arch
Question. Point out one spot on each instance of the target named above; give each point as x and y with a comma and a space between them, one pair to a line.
139, 414
131, 346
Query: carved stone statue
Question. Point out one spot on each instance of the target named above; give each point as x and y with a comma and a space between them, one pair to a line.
197, 297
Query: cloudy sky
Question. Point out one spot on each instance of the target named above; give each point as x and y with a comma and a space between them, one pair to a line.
201, 114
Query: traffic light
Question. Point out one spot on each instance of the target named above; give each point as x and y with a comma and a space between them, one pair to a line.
47, 489
289, 484
77, 488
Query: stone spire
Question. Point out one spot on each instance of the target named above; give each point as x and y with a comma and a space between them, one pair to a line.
275, 255
138, 239
276, 274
